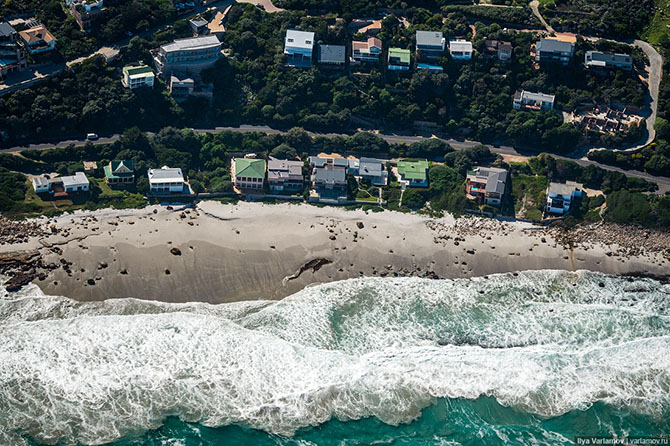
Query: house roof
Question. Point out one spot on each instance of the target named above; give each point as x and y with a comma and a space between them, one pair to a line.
429, 38
554, 45
77, 179
284, 168
192, 44
413, 170
599, 56
531, 96
504, 46
250, 168
494, 176
370, 167
6, 29
133, 70
300, 39
330, 174
198, 22
321, 162
401, 54
460, 45
118, 169
366, 45
332, 53
166, 173
566, 188
40, 181
37, 34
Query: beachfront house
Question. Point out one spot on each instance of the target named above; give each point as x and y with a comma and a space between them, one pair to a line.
12, 56
370, 170
526, 100
199, 26
412, 173
119, 172
486, 185
398, 59
166, 180
429, 44
366, 51
460, 49
40, 184
332, 55
561, 196
298, 48
500, 50
329, 178
554, 50
137, 76
38, 40
285, 175
598, 59
248, 173
190, 55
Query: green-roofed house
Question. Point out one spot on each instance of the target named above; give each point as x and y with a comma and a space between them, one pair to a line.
398, 59
248, 173
413, 173
120, 172
135, 76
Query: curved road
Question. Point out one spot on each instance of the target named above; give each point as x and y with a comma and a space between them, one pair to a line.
663, 182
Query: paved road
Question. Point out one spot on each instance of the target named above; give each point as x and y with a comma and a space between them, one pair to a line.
654, 80
663, 182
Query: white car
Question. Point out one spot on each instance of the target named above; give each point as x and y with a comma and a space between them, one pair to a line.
92, 136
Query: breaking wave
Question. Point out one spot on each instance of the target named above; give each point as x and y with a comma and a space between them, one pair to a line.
544, 343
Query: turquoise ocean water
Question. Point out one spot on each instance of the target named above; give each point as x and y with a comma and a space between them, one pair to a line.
530, 358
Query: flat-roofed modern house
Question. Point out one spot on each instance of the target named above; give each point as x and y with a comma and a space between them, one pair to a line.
285, 175
38, 40
120, 172
329, 177
333, 55
413, 173
190, 55
248, 173
369, 169
199, 26
366, 51
597, 59
554, 50
526, 100
166, 180
62, 186
498, 49
460, 49
486, 185
40, 185
298, 47
138, 76
561, 196
399, 59
12, 57
429, 44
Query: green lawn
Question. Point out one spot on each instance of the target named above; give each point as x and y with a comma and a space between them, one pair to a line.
659, 23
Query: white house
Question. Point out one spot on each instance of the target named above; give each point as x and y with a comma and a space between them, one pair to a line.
460, 49
166, 180
560, 197
41, 185
138, 76
527, 100
75, 183
298, 46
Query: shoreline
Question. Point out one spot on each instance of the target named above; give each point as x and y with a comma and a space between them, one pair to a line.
220, 253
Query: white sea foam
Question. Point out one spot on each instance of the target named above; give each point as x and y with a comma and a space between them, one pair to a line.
92, 372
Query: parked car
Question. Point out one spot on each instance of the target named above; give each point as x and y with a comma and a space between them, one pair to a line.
260, 5
92, 136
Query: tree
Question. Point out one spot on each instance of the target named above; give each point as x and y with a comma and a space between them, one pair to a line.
284, 151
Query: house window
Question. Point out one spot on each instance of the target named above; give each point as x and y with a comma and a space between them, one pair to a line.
290, 40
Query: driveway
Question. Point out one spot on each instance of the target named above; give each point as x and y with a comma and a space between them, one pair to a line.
267, 5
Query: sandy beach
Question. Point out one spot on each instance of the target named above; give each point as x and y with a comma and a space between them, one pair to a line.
221, 253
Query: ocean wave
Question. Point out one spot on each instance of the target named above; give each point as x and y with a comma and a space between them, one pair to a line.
543, 342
